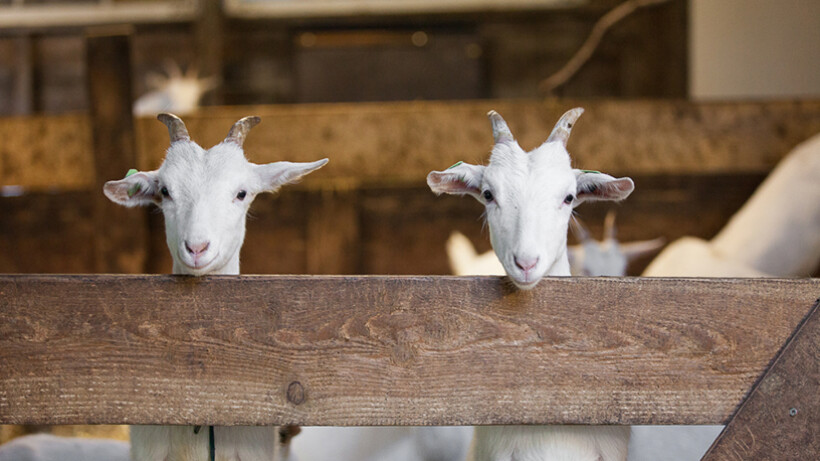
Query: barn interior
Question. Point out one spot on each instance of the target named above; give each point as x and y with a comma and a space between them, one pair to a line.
696, 100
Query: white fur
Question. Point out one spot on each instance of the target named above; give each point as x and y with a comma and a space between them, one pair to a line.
528, 216
47, 447
177, 92
203, 205
382, 443
777, 231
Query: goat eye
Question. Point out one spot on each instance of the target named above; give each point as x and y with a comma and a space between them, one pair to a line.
164, 192
568, 199
488, 196
241, 195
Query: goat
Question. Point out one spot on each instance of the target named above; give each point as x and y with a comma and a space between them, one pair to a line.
42, 447
590, 257
528, 199
772, 234
204, 196
176, 92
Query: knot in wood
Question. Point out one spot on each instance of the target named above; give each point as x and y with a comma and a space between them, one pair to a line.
296, 393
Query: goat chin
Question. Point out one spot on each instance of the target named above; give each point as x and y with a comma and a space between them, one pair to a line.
550, 443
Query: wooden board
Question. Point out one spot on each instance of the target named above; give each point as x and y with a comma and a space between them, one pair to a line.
386, 350
389, 142
781, 417
121, 249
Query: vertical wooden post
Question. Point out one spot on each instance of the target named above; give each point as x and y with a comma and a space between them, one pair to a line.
209, 33
120, 245
780, 419
23, 92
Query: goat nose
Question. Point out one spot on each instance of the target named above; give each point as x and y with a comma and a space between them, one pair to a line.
196, 248
525, 264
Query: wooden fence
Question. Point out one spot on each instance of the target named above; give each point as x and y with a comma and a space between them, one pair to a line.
308, 350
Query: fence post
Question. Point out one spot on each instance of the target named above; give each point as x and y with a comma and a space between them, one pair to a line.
122, 247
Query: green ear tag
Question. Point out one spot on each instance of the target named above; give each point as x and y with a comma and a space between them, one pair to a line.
591, 171
455, 165
136, 187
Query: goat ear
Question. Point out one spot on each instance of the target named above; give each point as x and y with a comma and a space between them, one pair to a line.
274, 175
593, 186
459, 179
138, 189
634, 250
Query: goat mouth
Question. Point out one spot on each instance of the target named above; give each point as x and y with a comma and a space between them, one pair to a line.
201, 265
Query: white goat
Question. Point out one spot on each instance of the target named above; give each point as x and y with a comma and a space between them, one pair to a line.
591, 257
529, 198
176, 92
47, 447
777, 231
204, 196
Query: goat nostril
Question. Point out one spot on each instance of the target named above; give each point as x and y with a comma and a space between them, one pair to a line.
525, 264
197, 248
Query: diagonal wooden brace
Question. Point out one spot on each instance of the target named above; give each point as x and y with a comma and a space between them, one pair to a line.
780, 419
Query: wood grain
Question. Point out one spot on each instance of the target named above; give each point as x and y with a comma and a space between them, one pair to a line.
781, 417
386, 350
403, 141
121, 249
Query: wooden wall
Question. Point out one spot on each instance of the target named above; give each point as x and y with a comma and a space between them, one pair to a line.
694, 165
499, 54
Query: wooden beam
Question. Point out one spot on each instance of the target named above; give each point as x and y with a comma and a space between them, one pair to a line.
781, 417
108, 52
388, 142
387, 350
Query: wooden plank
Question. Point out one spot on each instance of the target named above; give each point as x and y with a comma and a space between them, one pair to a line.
403, 141
781, 417
46, 152
47, 233
333, 242
121, 249
387, 350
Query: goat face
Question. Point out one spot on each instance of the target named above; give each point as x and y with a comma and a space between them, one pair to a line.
529, 198
204, 195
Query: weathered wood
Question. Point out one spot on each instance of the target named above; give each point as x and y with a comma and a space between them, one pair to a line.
781, 417
384, 351
403, 141
47, 233
46, 152
121, 249
333, 242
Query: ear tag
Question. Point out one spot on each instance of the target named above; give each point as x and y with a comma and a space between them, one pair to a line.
136, 187
591, 171
454, 165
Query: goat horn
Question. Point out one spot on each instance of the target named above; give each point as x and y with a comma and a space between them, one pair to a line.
501, 133
564, 126
578, 229
176, 128
241, 128
609, 225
